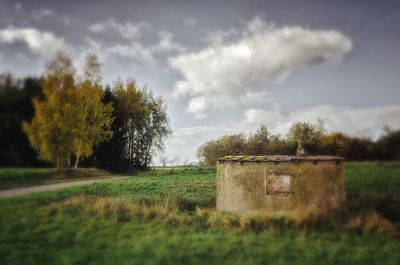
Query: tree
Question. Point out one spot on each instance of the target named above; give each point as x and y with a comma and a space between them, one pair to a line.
15, 106
185, 162
175, 161
257, 144
306, 134
50, 131
110, 154
339, 144
155, 128
281, 146
140, 127
164, 161
335, 144
360, 148
209, 152
132, 113
388, 146
92, 116
233, 144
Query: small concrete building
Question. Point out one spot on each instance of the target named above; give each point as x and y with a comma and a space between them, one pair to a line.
282, 185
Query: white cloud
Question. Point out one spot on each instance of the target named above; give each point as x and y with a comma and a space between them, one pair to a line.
367, 121
42, 42
65, 20
127, 30
256, 97
189, 21
197, 104
222, 73
185, 141
42, 13
219, 36
166, 44
135, 49
17, 6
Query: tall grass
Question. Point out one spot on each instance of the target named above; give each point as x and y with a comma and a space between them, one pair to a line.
175, 212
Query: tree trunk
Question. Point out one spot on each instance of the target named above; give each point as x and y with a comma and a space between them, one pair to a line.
82, 131
77, 159
69, 160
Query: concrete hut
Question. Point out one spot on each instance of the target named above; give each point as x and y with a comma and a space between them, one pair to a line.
282, 185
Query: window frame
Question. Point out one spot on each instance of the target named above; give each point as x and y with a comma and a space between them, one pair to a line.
269, 191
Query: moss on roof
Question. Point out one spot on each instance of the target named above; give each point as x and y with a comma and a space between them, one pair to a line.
278, 158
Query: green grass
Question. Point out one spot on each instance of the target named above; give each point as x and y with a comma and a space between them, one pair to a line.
23, 177
373, 178
130, 222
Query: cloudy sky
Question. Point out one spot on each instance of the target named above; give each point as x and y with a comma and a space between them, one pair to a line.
226, 66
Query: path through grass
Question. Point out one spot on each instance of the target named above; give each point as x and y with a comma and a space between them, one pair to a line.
25, 177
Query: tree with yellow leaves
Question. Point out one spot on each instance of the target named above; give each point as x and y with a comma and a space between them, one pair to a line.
50, 131
93, 118
71, 119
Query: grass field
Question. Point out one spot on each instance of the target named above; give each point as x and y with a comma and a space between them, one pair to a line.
167, 217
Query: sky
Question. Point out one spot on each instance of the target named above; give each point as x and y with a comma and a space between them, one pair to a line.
225, 67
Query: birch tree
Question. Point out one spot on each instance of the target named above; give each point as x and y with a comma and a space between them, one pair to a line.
143, 122
50, 131
93, 117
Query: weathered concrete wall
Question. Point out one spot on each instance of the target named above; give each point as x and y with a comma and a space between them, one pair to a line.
280, 187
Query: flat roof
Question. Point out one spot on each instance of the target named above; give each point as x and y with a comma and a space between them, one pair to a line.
279, 158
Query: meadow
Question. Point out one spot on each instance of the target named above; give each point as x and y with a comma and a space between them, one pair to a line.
167, 216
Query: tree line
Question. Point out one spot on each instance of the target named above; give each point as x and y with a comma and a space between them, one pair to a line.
65, 119
16, 96
313, 137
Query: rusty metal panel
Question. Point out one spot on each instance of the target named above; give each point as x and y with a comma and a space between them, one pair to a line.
278, 184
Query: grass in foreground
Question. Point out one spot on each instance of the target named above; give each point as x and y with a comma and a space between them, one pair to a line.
24, 177
167, 217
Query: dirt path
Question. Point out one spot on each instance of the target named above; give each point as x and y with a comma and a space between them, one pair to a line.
28, 190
